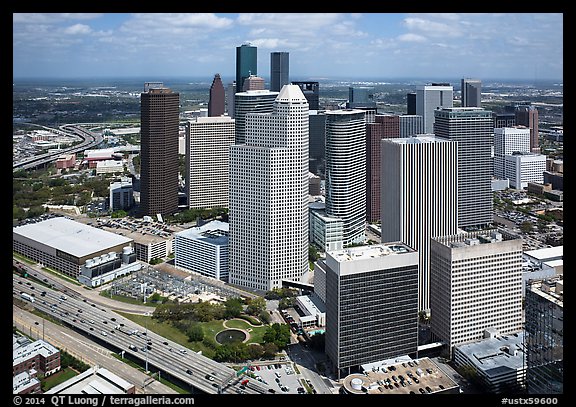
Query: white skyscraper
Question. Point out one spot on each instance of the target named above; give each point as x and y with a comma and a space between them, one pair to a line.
475, 285
250, 101
208, 141
346, 171
430, 97
269, 195
419, 197
508, 140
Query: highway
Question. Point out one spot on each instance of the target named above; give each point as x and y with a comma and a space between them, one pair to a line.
84, 349
102, 325
89, 140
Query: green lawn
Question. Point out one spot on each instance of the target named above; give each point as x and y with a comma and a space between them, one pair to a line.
57, 378
128, 300
211, 328
256, 332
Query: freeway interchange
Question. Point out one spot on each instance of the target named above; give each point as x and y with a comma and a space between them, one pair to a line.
120, 334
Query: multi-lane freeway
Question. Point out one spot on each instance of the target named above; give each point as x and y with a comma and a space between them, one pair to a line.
102, 324
89, 139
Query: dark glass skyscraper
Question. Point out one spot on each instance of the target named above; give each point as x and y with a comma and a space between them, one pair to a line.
544, 336
217, 99
471, 92
159, 113
311, 91
279, 70
246, 64
371, 304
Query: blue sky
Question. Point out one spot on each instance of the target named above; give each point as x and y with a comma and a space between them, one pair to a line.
522, 46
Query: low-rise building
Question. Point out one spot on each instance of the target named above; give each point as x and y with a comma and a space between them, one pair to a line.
325, 231
39, 355
64, 244
96, 380
314, 310
204, 250
499, 361
26, 383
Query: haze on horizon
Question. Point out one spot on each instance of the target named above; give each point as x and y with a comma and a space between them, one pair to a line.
517, 46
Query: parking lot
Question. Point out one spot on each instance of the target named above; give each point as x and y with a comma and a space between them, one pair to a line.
282, 376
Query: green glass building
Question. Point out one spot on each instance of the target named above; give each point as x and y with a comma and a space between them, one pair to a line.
246, 64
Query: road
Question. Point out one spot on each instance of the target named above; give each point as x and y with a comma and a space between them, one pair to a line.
91, 294
103, 325
84, 349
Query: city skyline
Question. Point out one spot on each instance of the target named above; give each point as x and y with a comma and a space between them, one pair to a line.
522, 46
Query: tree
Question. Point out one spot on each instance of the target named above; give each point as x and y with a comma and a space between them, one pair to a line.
256, 306
313, 253
195, 332
233, 307
265, 317
526, 227
278, 334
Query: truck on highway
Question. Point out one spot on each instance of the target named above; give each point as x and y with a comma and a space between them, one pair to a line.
27, 296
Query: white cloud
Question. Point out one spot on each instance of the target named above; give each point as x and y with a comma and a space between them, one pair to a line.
77, 29
411, 37
432, 28
267, 43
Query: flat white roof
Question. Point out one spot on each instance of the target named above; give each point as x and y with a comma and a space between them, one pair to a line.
368, 252
214, 232
546, 253
70, 236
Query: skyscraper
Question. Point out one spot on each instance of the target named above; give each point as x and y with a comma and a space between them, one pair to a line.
159, 112
208, 141
527, 115
471, 90
508, 140
411, 125
384, 126
311, 91
269, 195
316, 142
411, 103
472, 128
246, 64
476, 284
279, 70
251, 101
431, 97
360, 96
230, 99
253, 82
346, 171
544, 336
419, 197
371, 304
217, 97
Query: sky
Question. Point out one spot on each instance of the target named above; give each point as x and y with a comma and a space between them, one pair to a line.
519, 46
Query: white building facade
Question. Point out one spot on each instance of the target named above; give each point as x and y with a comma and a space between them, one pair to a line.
346, 171
430, 97
250, 101
521, 169
208, 141
204, 250
269, 195
419, 197
475, 285
508, 140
